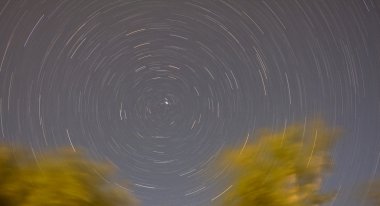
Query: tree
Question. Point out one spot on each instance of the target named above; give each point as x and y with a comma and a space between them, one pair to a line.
281, 168
60, 178
373, 192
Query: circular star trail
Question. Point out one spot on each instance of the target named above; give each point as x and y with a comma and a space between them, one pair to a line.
159, 88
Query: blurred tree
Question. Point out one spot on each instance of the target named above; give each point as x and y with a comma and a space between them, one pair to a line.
281, 169
374, 192
61, 178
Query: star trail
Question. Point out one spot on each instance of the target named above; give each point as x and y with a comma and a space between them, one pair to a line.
158, 88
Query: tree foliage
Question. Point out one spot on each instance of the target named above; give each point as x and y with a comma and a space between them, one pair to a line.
373, 192
61, 178
281, 168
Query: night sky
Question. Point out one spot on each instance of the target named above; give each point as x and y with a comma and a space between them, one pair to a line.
159, 88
